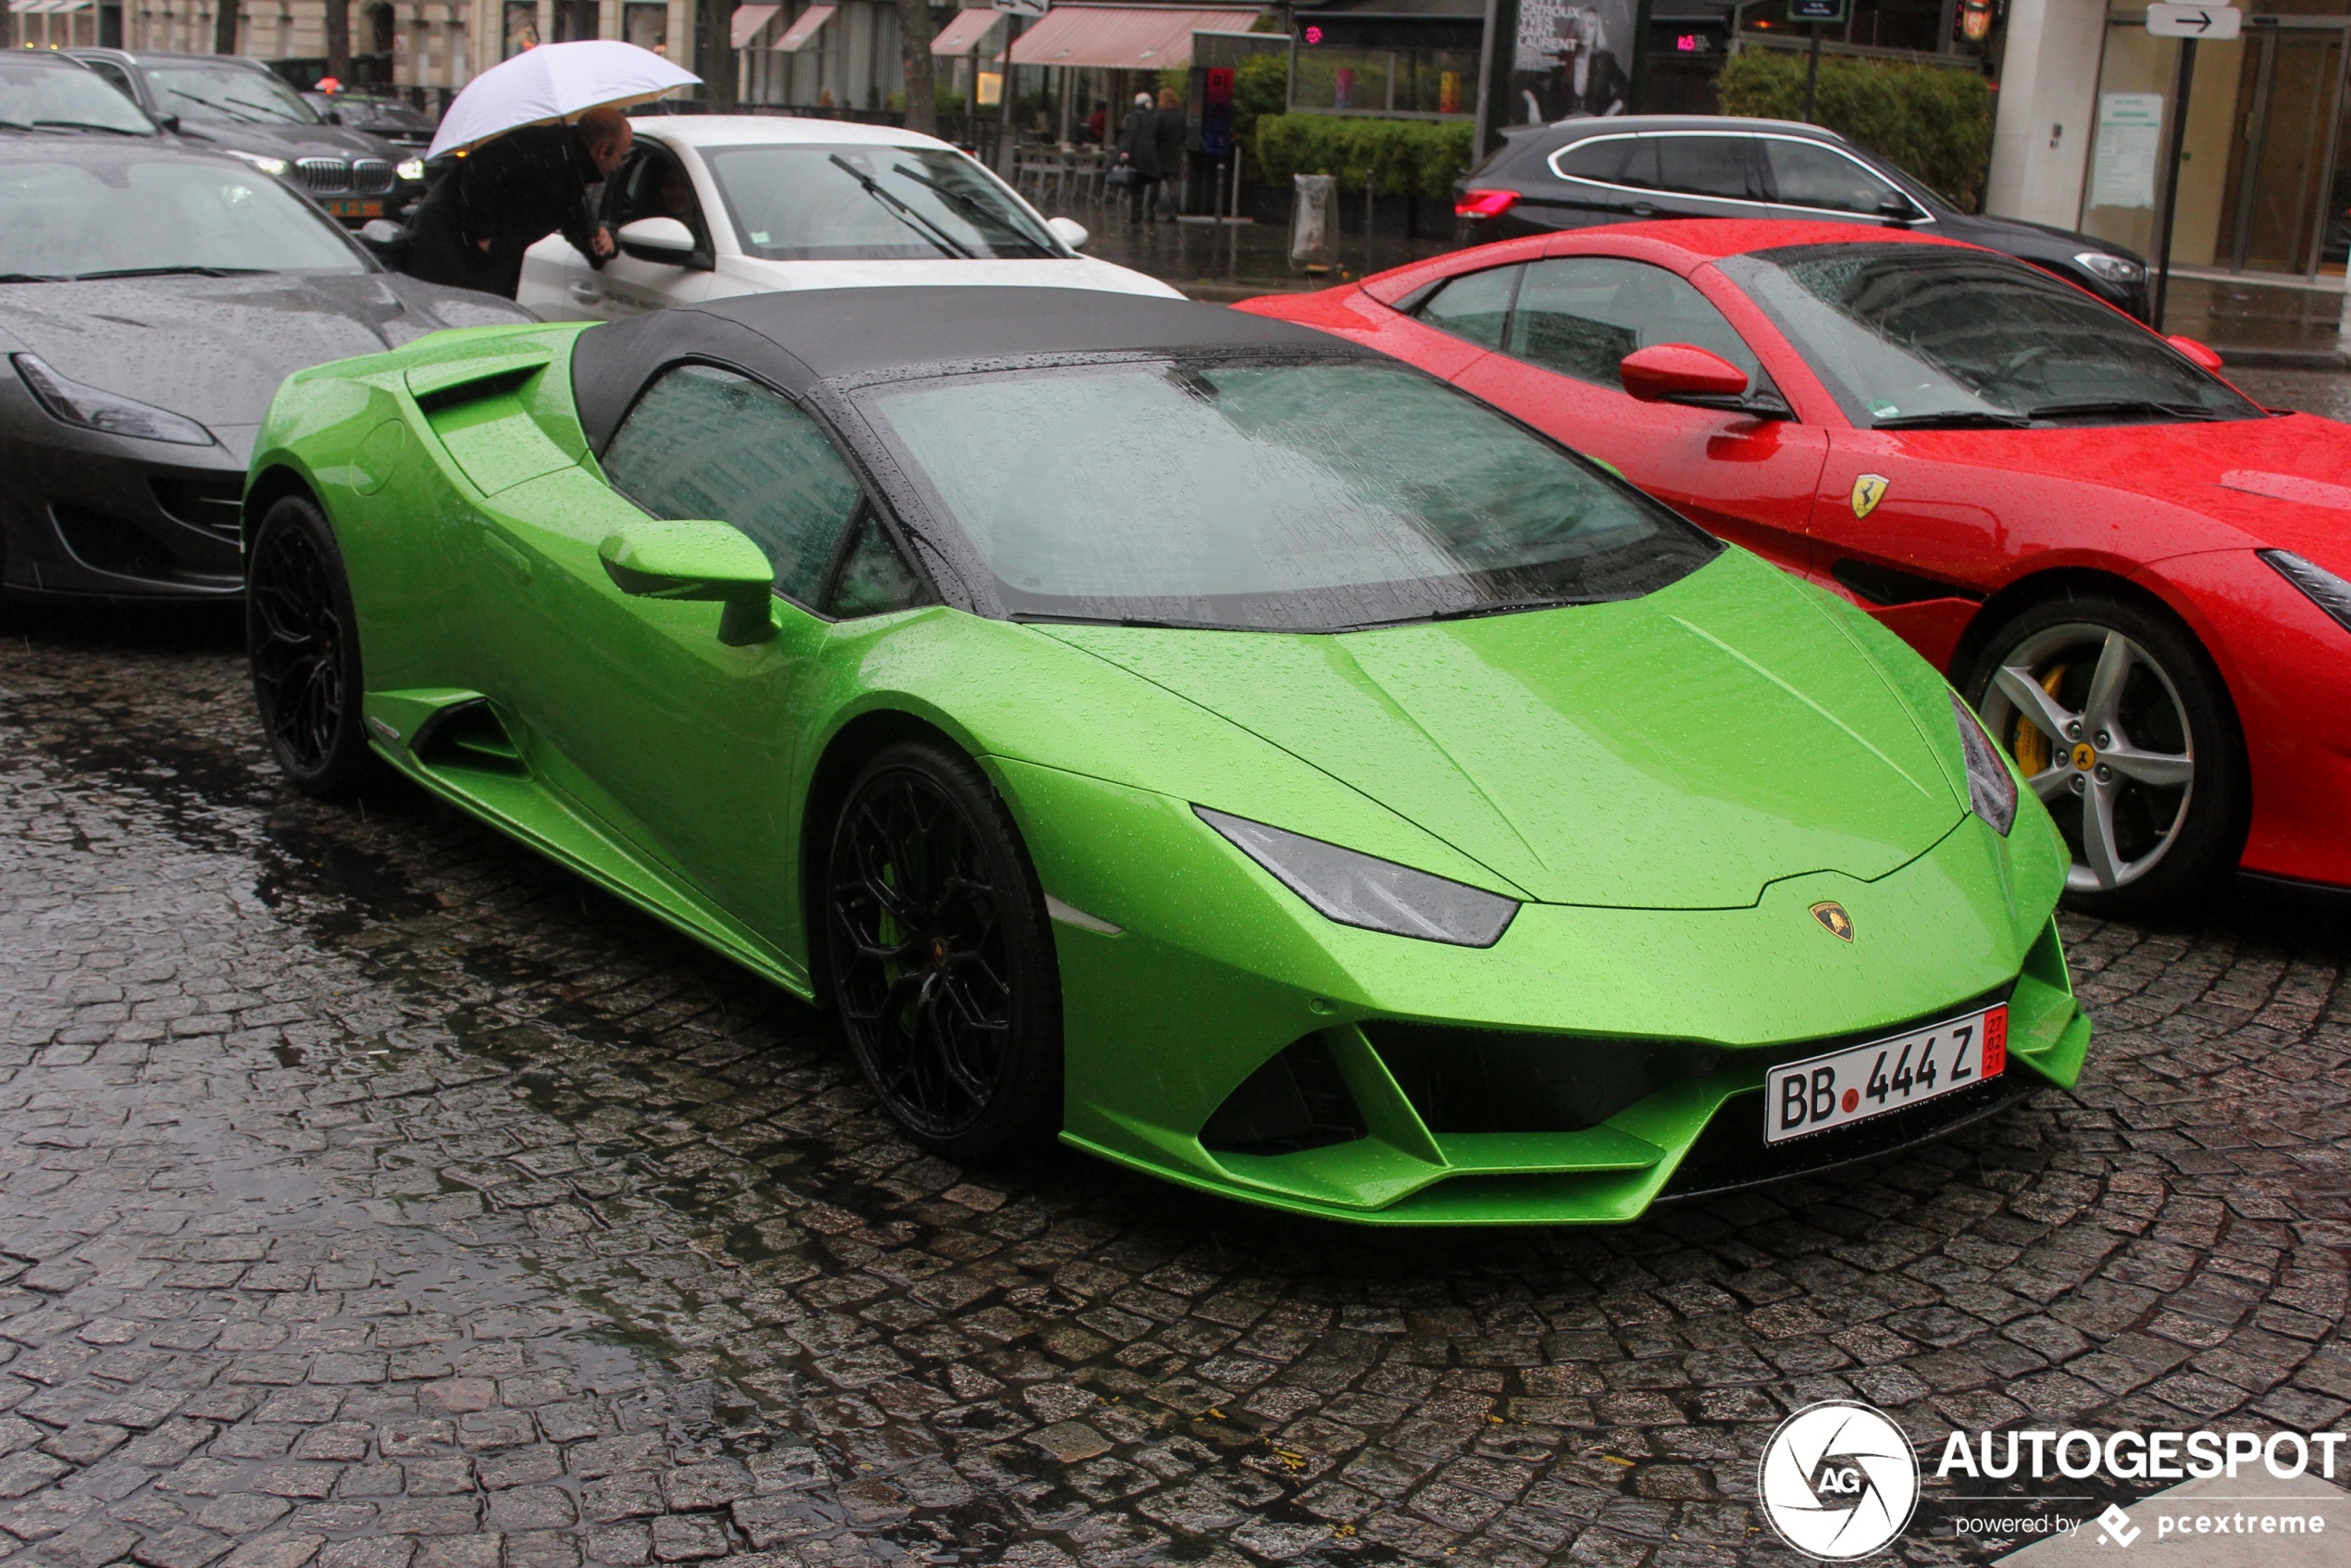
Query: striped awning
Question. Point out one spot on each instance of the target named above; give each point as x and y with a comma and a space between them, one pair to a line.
748, 21
47, 7
964, 34
803, 29
1120, 37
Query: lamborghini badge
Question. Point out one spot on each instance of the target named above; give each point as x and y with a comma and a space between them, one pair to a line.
1868, 490
1831, 915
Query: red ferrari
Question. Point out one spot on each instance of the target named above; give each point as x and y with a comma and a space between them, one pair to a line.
2137, 575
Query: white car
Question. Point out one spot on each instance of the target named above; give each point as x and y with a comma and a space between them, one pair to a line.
712, 206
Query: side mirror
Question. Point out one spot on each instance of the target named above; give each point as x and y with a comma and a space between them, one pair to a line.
386, 240
1896, 207
1668, 372
1069, 231
663, 240
696, 561
2204, 358
170, 122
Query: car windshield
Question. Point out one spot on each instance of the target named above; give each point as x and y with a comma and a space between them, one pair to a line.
38, 94
864, 203
223, 94
72, 219
1283, 496
1920, 335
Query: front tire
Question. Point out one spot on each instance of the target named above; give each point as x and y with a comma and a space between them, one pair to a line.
941, 955
302, 641
2122, 726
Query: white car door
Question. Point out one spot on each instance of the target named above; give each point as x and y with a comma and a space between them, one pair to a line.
559, 283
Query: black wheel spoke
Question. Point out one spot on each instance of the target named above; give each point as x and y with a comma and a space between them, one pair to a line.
294, 639
920, 962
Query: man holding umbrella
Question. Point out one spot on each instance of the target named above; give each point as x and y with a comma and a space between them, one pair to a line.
509, 193
532, 134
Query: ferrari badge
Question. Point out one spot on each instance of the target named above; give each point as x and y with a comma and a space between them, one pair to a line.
1868, 490
1831, 915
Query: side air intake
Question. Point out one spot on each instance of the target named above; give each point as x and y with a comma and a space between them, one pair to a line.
468, 735
1295, 1101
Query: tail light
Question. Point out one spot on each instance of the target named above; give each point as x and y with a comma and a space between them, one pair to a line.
1485, 203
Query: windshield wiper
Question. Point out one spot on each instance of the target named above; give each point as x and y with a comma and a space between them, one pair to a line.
88, 125
224, 108
2124, 405
1954, 420
167, 272
904, 213
1505, 607
978, 211
34, 278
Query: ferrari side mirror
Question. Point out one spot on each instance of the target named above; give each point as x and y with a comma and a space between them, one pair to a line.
664, 240
2204, 358
696, 561
1670, 372
1069, 231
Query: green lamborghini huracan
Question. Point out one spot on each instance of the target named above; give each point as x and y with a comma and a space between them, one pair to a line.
1229, 749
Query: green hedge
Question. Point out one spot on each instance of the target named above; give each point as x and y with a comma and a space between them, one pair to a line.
1933, 121
1399, 157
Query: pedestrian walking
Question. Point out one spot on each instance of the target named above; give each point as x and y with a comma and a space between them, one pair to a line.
512, 191
1169, 125
1139, 150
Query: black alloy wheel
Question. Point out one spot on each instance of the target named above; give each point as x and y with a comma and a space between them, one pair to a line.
941, 957
2123, 726
304, 650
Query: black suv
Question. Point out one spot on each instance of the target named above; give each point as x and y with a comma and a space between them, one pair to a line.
243, 108
1627, 167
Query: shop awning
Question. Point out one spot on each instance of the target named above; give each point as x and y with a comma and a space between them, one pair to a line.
1122, 37
962, 36
748, 21
803, 29
47, 7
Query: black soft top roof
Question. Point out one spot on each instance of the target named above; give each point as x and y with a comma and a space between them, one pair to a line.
795, 338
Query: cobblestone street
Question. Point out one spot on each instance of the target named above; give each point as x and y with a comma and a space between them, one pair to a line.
373, 1194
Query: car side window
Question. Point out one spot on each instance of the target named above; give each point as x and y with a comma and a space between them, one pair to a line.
1601, 158
705, 443
1706, 166
1475, 306
874, 580
1806, 174
652, 184
1581, 314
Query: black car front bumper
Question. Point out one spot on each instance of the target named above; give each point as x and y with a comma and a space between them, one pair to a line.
84, 515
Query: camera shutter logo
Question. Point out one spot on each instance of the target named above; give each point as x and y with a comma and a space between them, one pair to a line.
1838, 1481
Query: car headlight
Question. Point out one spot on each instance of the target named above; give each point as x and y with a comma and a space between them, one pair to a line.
2113, 268
1376, 895
2328, 592
262, 161
70, 403
1991, 788
410, 168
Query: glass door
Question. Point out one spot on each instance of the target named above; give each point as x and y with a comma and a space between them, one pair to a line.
2282, 208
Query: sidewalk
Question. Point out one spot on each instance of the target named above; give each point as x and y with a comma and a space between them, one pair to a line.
2260, 325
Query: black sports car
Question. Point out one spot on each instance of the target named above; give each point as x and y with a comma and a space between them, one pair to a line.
1625, 168
243, 108
151, 300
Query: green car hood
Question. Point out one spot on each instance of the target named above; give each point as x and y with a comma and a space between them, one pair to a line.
1676, 752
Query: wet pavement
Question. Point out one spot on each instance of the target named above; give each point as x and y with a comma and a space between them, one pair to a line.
375, 1195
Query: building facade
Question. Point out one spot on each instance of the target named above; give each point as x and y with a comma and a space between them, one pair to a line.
2085, 122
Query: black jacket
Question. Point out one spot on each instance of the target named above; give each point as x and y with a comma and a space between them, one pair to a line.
1145, 143
513, 192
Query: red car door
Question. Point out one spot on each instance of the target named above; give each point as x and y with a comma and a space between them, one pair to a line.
1568, 319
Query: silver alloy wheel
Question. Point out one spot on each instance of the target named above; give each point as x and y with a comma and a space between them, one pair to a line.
2097, 726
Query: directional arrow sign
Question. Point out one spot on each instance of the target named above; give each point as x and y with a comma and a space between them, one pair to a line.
2213, 23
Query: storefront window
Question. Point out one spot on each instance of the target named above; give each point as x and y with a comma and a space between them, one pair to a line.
647, 27
522, 27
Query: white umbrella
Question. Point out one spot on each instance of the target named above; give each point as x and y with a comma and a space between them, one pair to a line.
555, 82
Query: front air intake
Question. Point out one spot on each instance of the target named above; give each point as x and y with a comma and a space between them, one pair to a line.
1498, 1080
1296, 1101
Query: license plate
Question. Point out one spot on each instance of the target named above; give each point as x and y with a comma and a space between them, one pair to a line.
355, 210
1861, 1081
